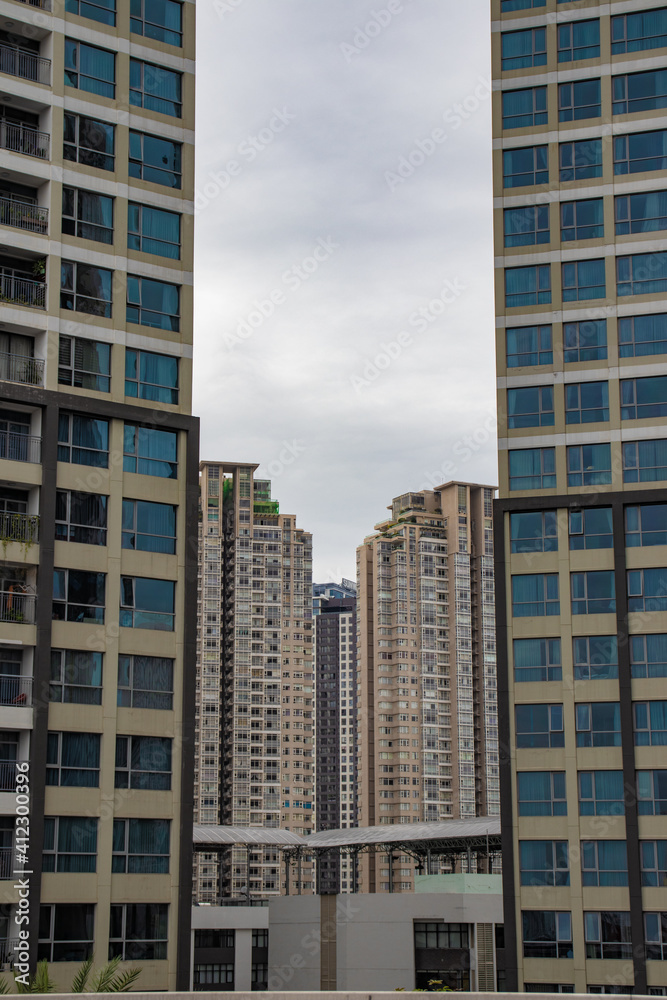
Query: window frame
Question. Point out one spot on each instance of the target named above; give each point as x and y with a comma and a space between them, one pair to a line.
78, 274
590, 724
91, 154
152, 391
131, 616
129, 776
145, 465
69, 605
586, 581
574, 337
148, 101
127, 691
52, 829
53, 944
59, 677
55, 768
152, 862
74, 216
80, 530
132, 947
549, 738
101, 86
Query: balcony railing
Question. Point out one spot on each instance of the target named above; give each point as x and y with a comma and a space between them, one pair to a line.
22, 291
8, 775
20, 447
5, 862
15, 690
44, 4
17, 607
7, 953
19, 527
17, 368
23, 139
27, 65
21, 215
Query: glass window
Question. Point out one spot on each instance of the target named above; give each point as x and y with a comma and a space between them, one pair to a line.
147, 603
260, 938
432, 934
655, 933
639, 336
593, 593
646, 525
146, 682
151, 376
532, 406
544, 862
87, 215
595, 657
141, 846
84, 363
535, 594
73, 760
608, 935
641, 213
528, 345
537, 660
598, 724
81, 517
604, 862
583, 279
158, 19
66, 932
547, 934
591, 528
149, 527
581, 220
97, 10
521, 49
150, 452
527, 286
644, 461
601, 793
579, 100
647, 589
653, 855
650, 723
76, 677
652, 793
153, 303
89, 68
541, 793
525, 167
153, 230
581, 160
589, 465
539, 726
648, 655
89, 141
634, 92
155, 159
216, 939
78, 596
524, 108
155, 88
535, 531
138, 931
70, 844
578, 40
84, 288
209, 974
526, 226
586, 402
143, 762
532, 469
509, 5
640, 151
642, 398
638, 32
585, 341
83, 440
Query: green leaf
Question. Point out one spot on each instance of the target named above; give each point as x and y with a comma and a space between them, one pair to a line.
80, 980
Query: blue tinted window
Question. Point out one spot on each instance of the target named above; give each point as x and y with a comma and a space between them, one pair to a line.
595, 657
539, 726
537, 660
586, 402
531, 406
639, 32
643, 397
598, 724
591, 528
535, 595
588, 465
636, 92
593, 593
526, 226
528, 345
641, 213
639, 336
535, 531
527, 286
581, 220
532, 469
578, 40
541, 793
644, 461
525, 167
90, 68
579, 161
601, 793
640, 151
522, 49
585, 341
583, 279
524, 108
579, 100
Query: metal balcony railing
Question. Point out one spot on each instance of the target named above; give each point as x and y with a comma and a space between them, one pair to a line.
27, 65
17, 368
15, 690
20, 447
44, 4
20, 138
7, 953
19, 527
5, 862
8, 775
21, 215
22, 291
17, 607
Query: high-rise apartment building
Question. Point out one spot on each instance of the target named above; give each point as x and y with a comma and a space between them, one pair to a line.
98, 477
580, 143
428, 728
255, 709
336, 725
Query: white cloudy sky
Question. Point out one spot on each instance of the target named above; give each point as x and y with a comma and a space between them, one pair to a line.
308, 113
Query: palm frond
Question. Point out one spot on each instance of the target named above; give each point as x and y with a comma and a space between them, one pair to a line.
104, 978
80, 980
4, 986
41, 981
124, 981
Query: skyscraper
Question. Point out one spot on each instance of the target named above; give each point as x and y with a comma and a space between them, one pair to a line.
98, 465
254, 715
428, 747
579, 178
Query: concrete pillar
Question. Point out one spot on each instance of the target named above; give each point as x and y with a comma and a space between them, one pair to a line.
243, 961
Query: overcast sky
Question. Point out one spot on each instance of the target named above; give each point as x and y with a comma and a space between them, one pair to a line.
344, 331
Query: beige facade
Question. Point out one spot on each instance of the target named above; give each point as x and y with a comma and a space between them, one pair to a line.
428, 727
578, 116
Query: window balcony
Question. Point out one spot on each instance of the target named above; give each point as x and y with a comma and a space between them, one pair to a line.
15, 690
22, 528
20, 288
18, 607
24, 64
20, 138
23, 215
20, 447
8, 774
6, 862
18, 368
